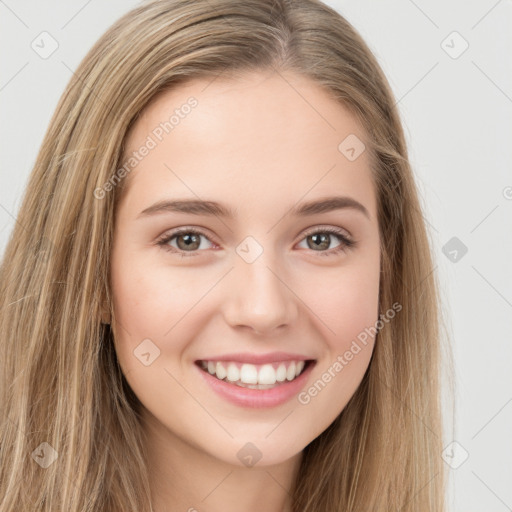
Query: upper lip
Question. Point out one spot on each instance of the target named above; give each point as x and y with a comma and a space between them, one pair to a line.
271, 357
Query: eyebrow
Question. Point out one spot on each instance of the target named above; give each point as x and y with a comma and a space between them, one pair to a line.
200, 207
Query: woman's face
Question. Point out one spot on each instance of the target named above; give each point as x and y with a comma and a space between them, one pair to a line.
275, 270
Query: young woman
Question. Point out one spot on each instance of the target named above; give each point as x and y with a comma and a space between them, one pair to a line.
218, 294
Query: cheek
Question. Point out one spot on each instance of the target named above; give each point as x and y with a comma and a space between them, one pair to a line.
348, 312
149, 300
345, 305
355, 305
157, 303
142, 305
345, 301
148, 309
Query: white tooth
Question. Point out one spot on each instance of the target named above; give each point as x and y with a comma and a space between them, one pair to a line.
233, 372
249, 374
299, 367
290, 373
220, 371
211, 367
267, 374
281, 373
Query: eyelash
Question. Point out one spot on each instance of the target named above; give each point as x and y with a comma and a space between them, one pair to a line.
346, 243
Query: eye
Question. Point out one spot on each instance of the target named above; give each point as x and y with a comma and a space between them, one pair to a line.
188, 240
320, 239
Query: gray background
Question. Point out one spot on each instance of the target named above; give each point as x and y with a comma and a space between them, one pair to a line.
456, 108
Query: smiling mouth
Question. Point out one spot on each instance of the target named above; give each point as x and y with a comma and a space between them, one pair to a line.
255, 376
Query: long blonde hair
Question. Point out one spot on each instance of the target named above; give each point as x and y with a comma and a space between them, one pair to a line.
60, 382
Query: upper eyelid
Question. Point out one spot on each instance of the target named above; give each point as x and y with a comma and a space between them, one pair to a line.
183, 230
326, 227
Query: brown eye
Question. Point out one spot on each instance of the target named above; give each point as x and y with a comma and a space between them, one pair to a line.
189, 242
320, 241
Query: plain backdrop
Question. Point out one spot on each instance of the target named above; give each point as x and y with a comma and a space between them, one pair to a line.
449, 67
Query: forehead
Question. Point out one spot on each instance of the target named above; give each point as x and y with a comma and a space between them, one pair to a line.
250, 133
246, 104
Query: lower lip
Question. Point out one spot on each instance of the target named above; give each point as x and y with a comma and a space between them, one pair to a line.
258, 398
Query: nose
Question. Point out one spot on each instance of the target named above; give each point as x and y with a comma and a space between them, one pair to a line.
259, 299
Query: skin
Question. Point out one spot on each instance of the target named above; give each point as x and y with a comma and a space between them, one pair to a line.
259, 144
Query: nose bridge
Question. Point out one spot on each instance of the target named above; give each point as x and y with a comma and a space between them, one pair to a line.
258, 296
